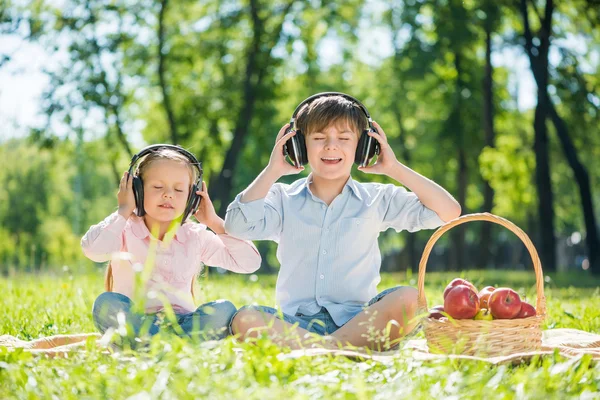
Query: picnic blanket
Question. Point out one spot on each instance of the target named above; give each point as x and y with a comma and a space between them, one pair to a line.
567, 342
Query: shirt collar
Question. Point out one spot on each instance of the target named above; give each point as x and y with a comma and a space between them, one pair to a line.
300, 186
140, 230
351, 183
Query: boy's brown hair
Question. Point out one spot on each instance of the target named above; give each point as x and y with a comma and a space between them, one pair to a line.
324, 111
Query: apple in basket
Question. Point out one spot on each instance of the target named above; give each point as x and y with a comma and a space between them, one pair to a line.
461, 302
456, 282
436, 312
527, 310
484, 296
504, 303
484, 315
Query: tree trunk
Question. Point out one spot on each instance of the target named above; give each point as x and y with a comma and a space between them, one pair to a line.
458, 234
222, 185
161, 73
544, 185
539, 66
538, 58
585, 192
485, 243
410, 247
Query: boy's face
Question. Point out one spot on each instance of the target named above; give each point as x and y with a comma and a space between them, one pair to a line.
331, 151
166, 188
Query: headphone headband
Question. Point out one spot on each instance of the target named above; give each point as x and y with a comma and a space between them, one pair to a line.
152, 148
328, 94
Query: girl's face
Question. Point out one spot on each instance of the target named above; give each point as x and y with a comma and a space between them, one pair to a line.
166, 190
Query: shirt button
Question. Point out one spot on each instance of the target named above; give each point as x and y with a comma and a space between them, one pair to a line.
324, 251
323, 206
326, 229
322, 276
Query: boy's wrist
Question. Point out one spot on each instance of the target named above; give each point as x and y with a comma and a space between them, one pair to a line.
270, 174
397, 171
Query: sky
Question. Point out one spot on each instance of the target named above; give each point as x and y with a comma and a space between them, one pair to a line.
22, 81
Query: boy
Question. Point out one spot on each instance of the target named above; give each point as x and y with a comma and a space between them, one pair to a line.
327, 226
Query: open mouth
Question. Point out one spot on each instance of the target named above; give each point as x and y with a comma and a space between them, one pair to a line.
167, 206
331, 160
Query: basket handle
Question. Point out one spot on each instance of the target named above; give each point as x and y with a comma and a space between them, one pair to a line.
537, 265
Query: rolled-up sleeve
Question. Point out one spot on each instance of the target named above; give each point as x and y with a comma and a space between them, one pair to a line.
404, 211
105, 238
256, 220
230, 253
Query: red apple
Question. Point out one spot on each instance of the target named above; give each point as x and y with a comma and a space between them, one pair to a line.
484, 296
504, 303
436, 312
527, 310
461, 302
456, 282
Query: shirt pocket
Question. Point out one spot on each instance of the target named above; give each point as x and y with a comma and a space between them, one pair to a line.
356, 239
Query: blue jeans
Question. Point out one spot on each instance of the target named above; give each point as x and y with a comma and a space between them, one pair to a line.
320, 323
209, 321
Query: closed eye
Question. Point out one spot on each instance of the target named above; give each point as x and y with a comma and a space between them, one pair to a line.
157, 187
178, 190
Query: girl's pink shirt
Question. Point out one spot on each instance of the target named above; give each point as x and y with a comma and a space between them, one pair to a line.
126, 244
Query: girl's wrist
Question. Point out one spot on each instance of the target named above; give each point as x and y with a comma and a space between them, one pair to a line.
217, 225
125, 212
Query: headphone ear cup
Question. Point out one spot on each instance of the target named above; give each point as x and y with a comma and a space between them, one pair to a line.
192, 204
138, 194
303, 154
300, 144
366, 149
359, 156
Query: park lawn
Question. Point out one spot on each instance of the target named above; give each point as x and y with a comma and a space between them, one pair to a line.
43, 305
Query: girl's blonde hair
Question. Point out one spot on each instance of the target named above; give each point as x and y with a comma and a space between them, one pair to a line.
157, 155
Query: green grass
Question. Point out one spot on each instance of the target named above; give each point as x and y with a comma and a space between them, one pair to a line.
34, 306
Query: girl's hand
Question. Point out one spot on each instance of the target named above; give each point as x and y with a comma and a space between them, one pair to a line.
125, 196
277, 162
206, 213
386, 159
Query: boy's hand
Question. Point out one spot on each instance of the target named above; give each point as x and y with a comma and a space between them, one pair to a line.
277, 163
386, 159
206, 213
125, 196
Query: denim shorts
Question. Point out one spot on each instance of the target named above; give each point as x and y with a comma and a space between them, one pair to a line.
209, 321
320, 323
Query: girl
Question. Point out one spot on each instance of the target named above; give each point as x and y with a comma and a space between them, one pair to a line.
150, 237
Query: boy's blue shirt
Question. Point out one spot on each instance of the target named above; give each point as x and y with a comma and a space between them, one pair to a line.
329, 255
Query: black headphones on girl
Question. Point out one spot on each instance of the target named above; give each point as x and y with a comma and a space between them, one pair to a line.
193, 200
295, 147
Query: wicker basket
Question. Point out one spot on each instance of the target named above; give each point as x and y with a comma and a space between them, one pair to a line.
477, 337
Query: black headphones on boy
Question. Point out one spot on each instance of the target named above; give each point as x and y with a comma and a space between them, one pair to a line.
295, 147
193, 200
